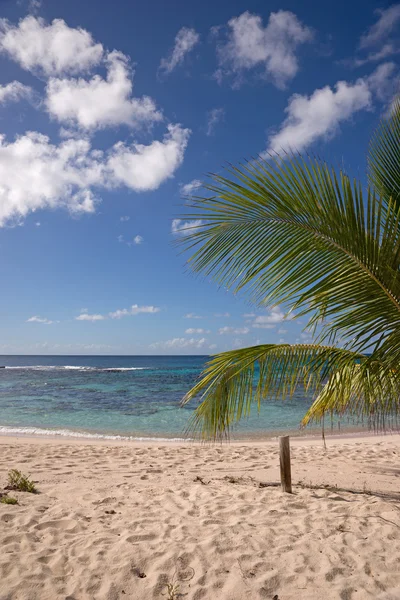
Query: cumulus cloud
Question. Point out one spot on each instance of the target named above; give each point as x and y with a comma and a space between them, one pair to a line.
236, 330
186, 39
273, 47
52, 49
269, 321
178, 343
187, 189
42, 320
387, 21
124, 219
135, 309
97, 103
36, 174
93, 318
14, 91
141, 167
138, 239
319, 115
180, 227
214, 116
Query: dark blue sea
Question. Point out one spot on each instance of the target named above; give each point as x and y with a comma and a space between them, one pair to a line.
123, 396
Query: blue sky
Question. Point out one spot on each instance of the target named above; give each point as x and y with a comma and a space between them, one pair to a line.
111, 113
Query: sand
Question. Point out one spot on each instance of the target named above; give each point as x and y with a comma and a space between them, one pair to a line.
124, 520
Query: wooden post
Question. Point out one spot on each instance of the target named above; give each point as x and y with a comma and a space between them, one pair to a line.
284, 461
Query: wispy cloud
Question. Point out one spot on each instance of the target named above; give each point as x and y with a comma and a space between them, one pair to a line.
187, 189
93, 318
387, 21
235, 330
192, 316
124, 218
186, 39
135, 309
180, 227
180, 343
14, 91
41, 320
214, 116
194, 330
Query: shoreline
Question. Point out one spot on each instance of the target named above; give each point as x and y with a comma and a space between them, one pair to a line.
296, 438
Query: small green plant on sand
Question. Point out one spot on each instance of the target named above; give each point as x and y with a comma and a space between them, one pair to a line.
19, 481
8, 500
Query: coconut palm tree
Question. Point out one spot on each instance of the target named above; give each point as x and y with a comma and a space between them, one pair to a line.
289, 230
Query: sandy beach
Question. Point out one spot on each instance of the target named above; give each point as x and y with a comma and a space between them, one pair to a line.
148, 521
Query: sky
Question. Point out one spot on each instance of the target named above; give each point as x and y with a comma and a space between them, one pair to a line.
111, 116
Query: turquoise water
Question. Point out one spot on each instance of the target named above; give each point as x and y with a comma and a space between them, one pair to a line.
129, 396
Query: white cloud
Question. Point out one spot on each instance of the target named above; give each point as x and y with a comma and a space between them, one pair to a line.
36, 174
383, 82
282, 331
180, 227
192, 316
269, 321
214, 116
86, 317
194, 330
386, 50
236, 330
38, 223
178, 343
188, 188
273, 47
42, 320
98, 103
249, 315
212, 346
124, 219
120, 238
141, 167
319, 115
225, 315
138, 239
52, 49
185, 40
14, 91
135, 309
388, 19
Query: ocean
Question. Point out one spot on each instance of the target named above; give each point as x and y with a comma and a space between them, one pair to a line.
136, 397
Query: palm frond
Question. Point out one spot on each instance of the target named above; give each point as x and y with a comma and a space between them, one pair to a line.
384, 156
367, 388
233, 380
294, 232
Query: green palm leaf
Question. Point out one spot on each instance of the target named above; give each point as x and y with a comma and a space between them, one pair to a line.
292, 231
384, 157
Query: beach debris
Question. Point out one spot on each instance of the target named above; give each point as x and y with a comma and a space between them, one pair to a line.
198, 478
20, 482
110, 512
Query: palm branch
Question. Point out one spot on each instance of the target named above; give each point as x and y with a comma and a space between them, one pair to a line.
290, 230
